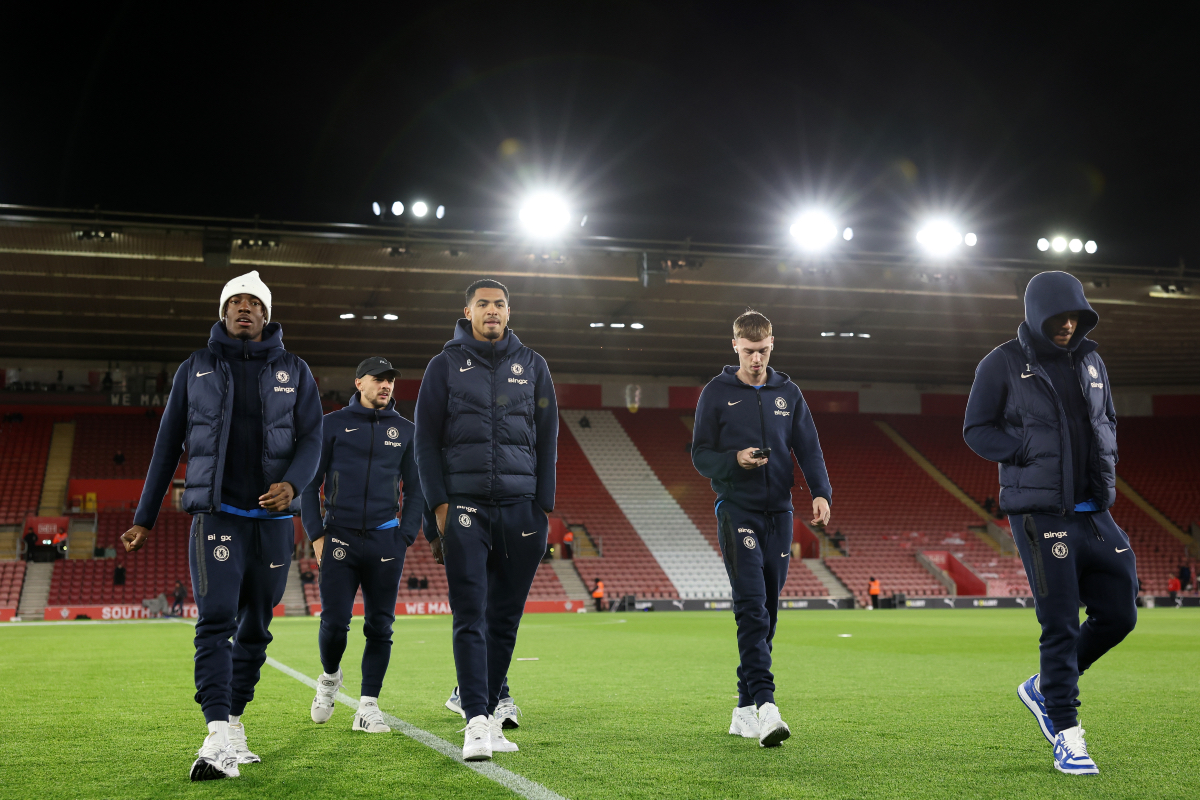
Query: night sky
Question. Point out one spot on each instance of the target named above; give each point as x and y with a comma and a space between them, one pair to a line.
718, 121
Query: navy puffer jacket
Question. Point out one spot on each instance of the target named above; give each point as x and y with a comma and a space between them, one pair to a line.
1017, 418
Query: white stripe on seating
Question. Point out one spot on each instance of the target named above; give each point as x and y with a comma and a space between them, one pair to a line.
511, 780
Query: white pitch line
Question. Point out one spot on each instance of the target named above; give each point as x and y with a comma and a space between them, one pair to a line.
16, 625
511, 780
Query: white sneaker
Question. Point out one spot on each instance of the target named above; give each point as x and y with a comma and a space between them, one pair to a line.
499, 743
216, 760
478, 743
772, 730
1071, 755
506, 712
370, 719
454, 703
237, 740
745, 722
327, 688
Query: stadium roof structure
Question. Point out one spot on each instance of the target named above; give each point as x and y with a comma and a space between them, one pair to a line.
144, 287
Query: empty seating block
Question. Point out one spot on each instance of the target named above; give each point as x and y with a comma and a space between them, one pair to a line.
98, 437
24, 447
12, 577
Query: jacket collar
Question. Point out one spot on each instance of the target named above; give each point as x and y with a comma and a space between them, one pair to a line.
775, 379
225, 346
356, 407
464, 338
1030, 345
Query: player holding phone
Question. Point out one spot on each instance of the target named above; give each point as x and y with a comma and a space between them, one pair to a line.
743, 415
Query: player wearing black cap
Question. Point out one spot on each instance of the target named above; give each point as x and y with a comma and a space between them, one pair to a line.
367, 466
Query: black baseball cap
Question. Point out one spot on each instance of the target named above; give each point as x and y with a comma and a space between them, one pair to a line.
376, 366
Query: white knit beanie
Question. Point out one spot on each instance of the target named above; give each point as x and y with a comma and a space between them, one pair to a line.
249, 283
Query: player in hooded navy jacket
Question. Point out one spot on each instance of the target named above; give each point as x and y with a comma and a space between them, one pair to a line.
750, 420
1041, 406
367, 467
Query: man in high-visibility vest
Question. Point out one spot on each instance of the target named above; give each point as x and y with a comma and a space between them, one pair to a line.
598, 594
568, 544
873, 590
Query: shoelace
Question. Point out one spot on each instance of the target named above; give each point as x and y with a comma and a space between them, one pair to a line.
502, 710
370, 714
473, 729
1075, 746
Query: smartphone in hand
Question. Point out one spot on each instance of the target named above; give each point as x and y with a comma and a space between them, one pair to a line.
763, 452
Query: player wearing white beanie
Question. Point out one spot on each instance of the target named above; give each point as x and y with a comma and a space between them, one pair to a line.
249, 283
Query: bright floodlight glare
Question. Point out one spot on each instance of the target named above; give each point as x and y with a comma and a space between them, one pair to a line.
939, 238
545, 214
864, 336
597, 325
848, 234
1090, 247
1059, 244
441, 212
346, 316
1076, 245
828, 333
397, 208
637, 326
583, 221
970, 240
1043, 244
375, 209
390, 317
845, 334
616, 324
420, 209
814, 230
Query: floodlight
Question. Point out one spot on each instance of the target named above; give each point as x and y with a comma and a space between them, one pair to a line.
1090, 247
397, 208
616, 324
346, 316
846, 334
637, 326
939, 238
828, 333
583, 221
864, 336
1075, 245
814, 230
848, 234
419, 209
545, 214
390, 317
441, 212
970, 240
1043, 244
596, 325
375, 209
1059, 244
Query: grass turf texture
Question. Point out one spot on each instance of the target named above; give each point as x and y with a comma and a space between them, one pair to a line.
913, 704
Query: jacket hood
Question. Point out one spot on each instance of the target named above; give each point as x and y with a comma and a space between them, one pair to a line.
225, 346
1051, 293
774, 379
464, 337
357, 407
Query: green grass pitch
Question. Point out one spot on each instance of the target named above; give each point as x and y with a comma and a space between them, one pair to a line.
911, 704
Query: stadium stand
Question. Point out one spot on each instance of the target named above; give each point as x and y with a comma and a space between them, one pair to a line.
625, 563
98, 437
23, 449
692, 564
1160, 458
940, 439
12, 577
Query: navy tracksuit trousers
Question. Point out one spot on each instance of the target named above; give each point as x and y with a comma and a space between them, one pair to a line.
491, 555
239, 569
373, 560
1083, 557
756, 548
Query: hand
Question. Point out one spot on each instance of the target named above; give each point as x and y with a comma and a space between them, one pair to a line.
278, 497
135, 538
319, 547
439, 514
820, 511
747, 461
435, 547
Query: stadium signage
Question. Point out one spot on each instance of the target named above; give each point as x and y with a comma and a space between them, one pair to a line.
126, 399
118, 612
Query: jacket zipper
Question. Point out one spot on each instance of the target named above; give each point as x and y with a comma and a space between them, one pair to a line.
1062, 419
492, 481
367, 482
762, 431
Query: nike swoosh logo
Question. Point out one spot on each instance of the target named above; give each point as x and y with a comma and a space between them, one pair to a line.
465, 369
275, 566
735, 402
351, 430
393, 558
531, 533
1122, 551
202, 374
784, 555
1026, 374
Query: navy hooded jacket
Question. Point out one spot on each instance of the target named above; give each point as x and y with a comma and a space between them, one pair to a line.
201, 412
1045, 412
367, 466
487, 423
732, 416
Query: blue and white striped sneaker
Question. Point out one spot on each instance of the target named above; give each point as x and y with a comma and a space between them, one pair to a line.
1036, 703
1071, 755
454, 703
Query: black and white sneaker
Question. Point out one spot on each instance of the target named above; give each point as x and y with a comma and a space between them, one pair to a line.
507, 712
454, 703
216, 760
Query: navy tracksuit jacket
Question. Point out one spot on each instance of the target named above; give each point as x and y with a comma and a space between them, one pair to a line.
250, 414
754, 507
367, 467
1045, 413
487, 441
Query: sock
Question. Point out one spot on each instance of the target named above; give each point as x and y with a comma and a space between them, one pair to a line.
220, 730
1037, 684
367, 700
235, 719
